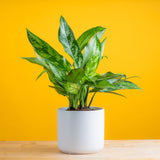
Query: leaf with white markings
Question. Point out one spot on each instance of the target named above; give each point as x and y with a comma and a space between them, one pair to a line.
36, 61
66, 37
94, 58
46, 51
77, 82
87, 35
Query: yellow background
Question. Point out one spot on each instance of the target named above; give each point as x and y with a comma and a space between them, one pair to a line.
28, 109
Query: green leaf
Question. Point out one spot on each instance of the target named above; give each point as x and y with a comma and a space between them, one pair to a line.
118, 86
70, 87
126, 85
59, 75
66, 37
46, 51
104, 57
109, 76
116, 94
94, 58
51, 77
132, 77
100, 34
102, 47
40, 74
87, 35
88, 50
102, 84
36, 61
75, 75
92, 99
59, 90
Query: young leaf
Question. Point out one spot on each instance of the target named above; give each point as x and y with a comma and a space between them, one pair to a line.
66, 37
70, 87
100, 34
46, 51
75, 75
87, 35
93, 60
88, 50
102, 47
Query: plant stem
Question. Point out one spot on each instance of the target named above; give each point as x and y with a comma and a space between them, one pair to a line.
91, 99
86, 97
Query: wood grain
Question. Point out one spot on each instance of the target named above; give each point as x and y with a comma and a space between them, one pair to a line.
47, 150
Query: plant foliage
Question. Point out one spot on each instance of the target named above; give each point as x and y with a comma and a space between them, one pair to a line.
77, 80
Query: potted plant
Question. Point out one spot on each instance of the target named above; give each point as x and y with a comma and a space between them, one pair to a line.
80, 126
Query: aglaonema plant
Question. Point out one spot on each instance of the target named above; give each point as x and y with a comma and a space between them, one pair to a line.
78, 80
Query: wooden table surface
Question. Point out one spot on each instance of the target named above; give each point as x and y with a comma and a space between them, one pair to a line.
47, 150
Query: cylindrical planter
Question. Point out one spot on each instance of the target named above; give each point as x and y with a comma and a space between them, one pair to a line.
80, 132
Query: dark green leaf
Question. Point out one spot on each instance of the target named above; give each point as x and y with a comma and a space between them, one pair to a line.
102, 84
92, 99
116, 94
87, 35
66, 37
51, 77
46, 51
59, 90
75, 75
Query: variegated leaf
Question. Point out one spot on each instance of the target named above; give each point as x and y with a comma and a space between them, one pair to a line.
36, 61
94, 59
66, 37
118, 86
87, 35
46, 51
72, 88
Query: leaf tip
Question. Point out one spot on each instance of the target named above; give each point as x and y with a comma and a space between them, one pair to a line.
62, 18
27, 30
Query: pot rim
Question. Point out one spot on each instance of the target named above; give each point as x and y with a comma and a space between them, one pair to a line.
64, 109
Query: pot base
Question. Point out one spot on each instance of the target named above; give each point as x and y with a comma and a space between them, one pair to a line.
80, 152
80, 132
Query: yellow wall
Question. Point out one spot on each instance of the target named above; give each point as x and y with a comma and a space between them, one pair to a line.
28, 108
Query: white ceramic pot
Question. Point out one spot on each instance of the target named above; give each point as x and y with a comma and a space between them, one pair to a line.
80, 132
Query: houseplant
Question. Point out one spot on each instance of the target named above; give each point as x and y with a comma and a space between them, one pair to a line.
80, 126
